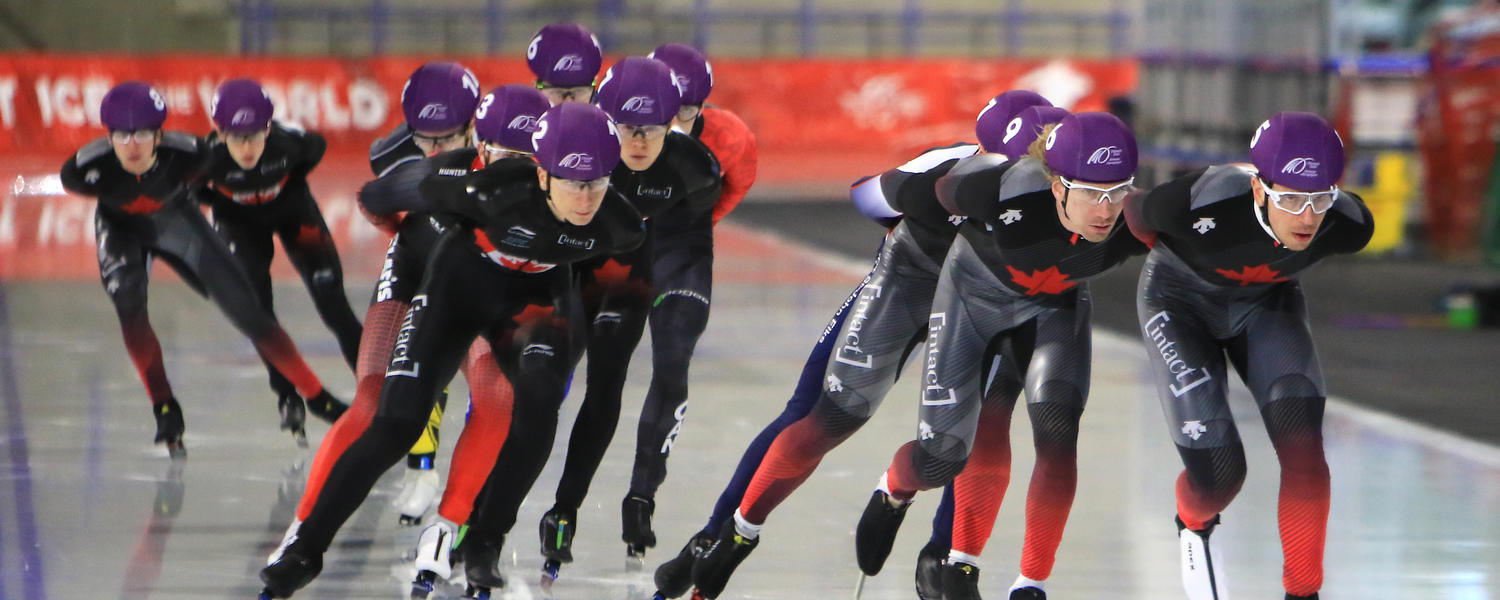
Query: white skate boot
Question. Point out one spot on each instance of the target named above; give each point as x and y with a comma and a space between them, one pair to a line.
418, 490
434, 553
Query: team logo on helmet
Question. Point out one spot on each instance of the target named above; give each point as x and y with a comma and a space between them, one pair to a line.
1106, 155
243, 116
1304, 166
436, 110
523, 123
569, 62
1052, 137
576, 160
639, 104
682, 81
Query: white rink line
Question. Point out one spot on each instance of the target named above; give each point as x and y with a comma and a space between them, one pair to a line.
1383, 422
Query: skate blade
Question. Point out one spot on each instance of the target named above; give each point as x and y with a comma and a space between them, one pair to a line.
1202, 568
859, 586
476, 593
176, 450
409, 521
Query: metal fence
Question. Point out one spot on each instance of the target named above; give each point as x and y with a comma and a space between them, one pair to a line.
795, 28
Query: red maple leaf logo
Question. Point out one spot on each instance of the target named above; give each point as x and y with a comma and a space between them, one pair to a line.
142, 205
1256, 274
1049, 281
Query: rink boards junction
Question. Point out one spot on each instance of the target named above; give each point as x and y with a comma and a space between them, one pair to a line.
89, 508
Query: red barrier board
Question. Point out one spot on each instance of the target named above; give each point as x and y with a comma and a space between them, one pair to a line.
819, 123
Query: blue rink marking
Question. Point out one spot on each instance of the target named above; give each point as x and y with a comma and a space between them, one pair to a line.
28, 545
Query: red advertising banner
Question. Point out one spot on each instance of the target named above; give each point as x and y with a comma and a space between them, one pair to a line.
819, 124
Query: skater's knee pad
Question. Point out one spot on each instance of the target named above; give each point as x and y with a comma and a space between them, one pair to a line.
1295, 407
938, 459
1215, 471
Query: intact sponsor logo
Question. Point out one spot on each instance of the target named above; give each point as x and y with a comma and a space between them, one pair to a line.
850, 352
523, 123
571, 242
639, 104
1304, 166
433, 111
680, 415
1194, 429
1204, 225
577, 160
655, 193
518, 236
401, 364
1107, 155
1185, 375
933, 393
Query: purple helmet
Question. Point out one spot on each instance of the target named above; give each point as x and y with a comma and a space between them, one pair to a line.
241, 106
565, 55
1298, 150
508, 116
1092, 146
576, 141
996, 116
640, 91
132, 106
694, 75
1026, 126
439, 96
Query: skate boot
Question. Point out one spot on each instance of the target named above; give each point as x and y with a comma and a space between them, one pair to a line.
675, 577
481, 556
1202, 564
712, 569
930, 571
169, 427
556, 530
635, 515
326, 407
1314, 596
960, 581
877, 529
293, 417
418, 489
434, 556
1028, 593
291, 567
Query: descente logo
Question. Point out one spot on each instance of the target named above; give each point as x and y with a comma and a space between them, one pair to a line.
639, 104
576, 160
1107, 155
433, 111
523, 123
1304, 166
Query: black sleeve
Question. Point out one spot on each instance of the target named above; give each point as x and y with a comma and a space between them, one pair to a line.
1164, 209
1351, 234
972, 187
400, 190
702, 175
626, 228
912, 193
73, 179
314, 145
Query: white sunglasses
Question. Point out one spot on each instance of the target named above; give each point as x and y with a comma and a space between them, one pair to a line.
1104, 193
1320, 202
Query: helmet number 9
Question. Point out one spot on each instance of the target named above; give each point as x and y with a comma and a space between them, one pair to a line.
484, 106
1011, 129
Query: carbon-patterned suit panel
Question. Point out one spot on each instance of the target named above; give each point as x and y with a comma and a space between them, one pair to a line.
974, 314
887, 316
1190, 325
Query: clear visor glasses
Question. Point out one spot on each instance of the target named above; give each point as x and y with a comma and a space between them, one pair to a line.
429, 144
1098, 195
494, 152
139, 136
247, 138
560, 94
1298, 202
581, 187
650, 132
